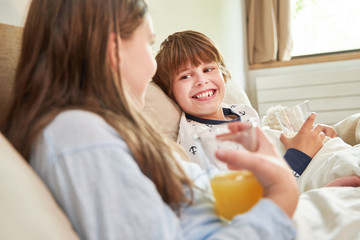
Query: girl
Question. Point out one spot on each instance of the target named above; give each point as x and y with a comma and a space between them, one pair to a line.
76, 116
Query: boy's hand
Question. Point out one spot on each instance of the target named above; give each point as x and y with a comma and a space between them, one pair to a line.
309, 139
329, 131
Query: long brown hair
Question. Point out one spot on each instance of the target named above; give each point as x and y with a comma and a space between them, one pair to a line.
181, 48
64, 65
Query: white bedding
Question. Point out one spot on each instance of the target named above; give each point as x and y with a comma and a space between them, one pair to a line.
335, 159
331, 212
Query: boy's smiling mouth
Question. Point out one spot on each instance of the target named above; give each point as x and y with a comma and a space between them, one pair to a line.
205, 94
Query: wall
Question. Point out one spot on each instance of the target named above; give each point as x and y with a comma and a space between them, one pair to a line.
333, 88
220, 20
13, 12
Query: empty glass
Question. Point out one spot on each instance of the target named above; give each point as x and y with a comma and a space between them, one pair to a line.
292, 118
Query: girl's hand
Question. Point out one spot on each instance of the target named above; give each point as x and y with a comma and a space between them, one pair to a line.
268, 166
350, 181
309, 139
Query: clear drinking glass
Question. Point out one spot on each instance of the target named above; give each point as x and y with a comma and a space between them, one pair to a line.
292, 118
235, 191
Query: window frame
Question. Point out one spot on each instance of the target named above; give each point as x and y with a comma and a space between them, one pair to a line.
309, 59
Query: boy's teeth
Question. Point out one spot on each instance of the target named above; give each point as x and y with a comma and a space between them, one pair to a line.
205, 94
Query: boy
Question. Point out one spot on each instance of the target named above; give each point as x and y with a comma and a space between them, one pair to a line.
192, 72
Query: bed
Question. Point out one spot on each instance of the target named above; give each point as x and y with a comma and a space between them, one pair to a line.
322, 212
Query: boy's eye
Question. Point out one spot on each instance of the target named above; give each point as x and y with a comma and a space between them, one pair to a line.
185, 76
208, 69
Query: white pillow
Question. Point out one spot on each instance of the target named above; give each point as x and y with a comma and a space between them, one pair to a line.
163, 112
235, 94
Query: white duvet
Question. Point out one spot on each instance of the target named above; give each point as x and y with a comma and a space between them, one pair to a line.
330, 213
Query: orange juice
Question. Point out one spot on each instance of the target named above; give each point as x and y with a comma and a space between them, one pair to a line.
235, 192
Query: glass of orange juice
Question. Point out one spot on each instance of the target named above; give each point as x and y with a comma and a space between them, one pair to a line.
235, 191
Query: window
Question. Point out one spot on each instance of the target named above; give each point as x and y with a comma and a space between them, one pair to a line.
323, 26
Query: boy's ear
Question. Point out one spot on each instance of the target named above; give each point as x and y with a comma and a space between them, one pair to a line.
113, 52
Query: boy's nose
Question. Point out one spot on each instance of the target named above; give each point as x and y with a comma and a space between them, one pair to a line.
200, 80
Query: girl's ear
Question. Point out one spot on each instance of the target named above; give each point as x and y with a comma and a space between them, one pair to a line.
113, 52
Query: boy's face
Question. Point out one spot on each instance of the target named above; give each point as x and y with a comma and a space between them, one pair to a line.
200, 90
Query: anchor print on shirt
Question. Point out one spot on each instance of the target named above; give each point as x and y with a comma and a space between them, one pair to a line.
242, 113
193, 150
